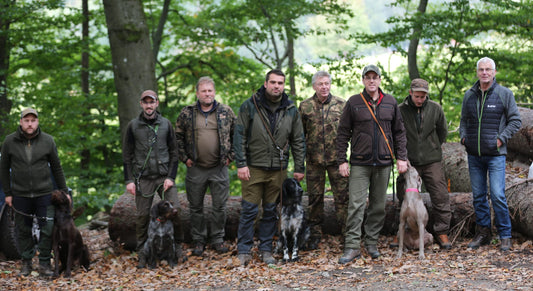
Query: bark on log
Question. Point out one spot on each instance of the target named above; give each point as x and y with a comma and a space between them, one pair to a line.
522, 142
122, 216
455, 165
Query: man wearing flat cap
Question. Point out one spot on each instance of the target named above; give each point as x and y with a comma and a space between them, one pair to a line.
426, 129
372, 123
28, 168
150, 155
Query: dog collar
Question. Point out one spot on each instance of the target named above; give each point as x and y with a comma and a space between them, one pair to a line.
411, 190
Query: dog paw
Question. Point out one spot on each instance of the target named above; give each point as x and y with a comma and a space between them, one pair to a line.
295, 259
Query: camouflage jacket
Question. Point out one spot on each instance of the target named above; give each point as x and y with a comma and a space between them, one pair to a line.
186, 136
320, 121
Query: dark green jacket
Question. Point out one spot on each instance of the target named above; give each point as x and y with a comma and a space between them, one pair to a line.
162, 160
186, 135
424, 140
30, 177
252, 144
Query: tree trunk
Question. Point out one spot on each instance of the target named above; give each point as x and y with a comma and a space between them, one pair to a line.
5, 49
520, 145
122, 217
455, 163
132, 56
412, 65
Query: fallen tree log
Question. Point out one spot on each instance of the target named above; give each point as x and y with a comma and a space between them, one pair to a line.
122, 216
522, 142
455, 164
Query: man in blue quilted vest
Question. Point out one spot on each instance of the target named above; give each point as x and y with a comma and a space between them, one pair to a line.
489, 117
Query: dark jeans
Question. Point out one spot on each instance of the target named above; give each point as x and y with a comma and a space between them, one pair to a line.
40, 207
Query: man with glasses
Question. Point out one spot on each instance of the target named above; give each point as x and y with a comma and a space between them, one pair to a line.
150, 154
489, 118
372, 123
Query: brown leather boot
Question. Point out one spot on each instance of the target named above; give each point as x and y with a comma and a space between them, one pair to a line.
444, 242
482, 237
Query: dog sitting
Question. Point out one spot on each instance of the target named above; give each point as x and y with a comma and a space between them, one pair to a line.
413, 216
294, 230
160, 244
67, 242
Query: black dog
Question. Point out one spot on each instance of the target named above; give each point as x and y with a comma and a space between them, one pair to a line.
294, 229
67, 242
160, 244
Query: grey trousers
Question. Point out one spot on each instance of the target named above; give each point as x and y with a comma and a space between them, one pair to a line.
196, 183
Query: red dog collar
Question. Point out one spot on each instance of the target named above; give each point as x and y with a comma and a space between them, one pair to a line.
411, 190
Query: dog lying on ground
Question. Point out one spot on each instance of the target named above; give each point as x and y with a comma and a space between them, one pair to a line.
160, 244
294, 230
413, 216
67, 242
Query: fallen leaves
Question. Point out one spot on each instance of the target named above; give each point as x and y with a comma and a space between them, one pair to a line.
460, 268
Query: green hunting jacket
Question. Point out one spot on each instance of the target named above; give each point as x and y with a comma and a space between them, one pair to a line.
252, 144
186, 135
28, 165
320, 122
424, 139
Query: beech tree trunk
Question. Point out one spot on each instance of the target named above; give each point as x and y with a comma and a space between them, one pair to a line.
455, 163
132, 56
521, 144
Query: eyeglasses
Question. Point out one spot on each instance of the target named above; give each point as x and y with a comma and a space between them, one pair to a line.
370, 78
481, 70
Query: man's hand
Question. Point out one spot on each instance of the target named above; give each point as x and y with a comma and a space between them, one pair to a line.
9, 201
344, 169
499, 143
189, 163
243, 173
299, 176
130, 187
402, 166
167, 185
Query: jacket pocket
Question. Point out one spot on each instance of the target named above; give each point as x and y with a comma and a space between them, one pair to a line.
362, 147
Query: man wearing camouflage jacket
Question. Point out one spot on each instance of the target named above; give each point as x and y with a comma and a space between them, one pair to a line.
320, 117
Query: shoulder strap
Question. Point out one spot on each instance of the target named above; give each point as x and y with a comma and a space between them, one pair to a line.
379, 125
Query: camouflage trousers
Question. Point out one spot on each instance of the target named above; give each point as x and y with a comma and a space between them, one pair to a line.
316, 180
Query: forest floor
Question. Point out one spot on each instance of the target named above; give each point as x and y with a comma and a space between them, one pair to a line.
460, 268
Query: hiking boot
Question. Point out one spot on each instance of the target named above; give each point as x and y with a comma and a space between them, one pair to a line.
313, 243
26, 268
482, 237
198, 249
268, 258
220, 247
244, 259
506, 244
45, 269
444, 243
142, 260
372, 250
349, 255
394, 244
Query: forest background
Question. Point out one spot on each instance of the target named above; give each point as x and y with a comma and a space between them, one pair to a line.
83, 64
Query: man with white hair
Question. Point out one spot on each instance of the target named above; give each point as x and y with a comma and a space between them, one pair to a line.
489, 118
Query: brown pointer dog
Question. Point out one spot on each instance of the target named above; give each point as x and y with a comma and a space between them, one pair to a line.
413, 216
67, 242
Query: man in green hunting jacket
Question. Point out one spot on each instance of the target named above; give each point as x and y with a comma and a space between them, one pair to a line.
28, 169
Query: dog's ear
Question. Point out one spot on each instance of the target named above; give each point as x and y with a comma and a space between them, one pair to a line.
154, 211
78, 212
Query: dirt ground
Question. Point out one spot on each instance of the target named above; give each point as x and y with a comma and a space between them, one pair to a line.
458, 269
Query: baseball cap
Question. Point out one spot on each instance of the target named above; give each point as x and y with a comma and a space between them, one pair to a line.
419, 85
371, 68
149, 93
28, 111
